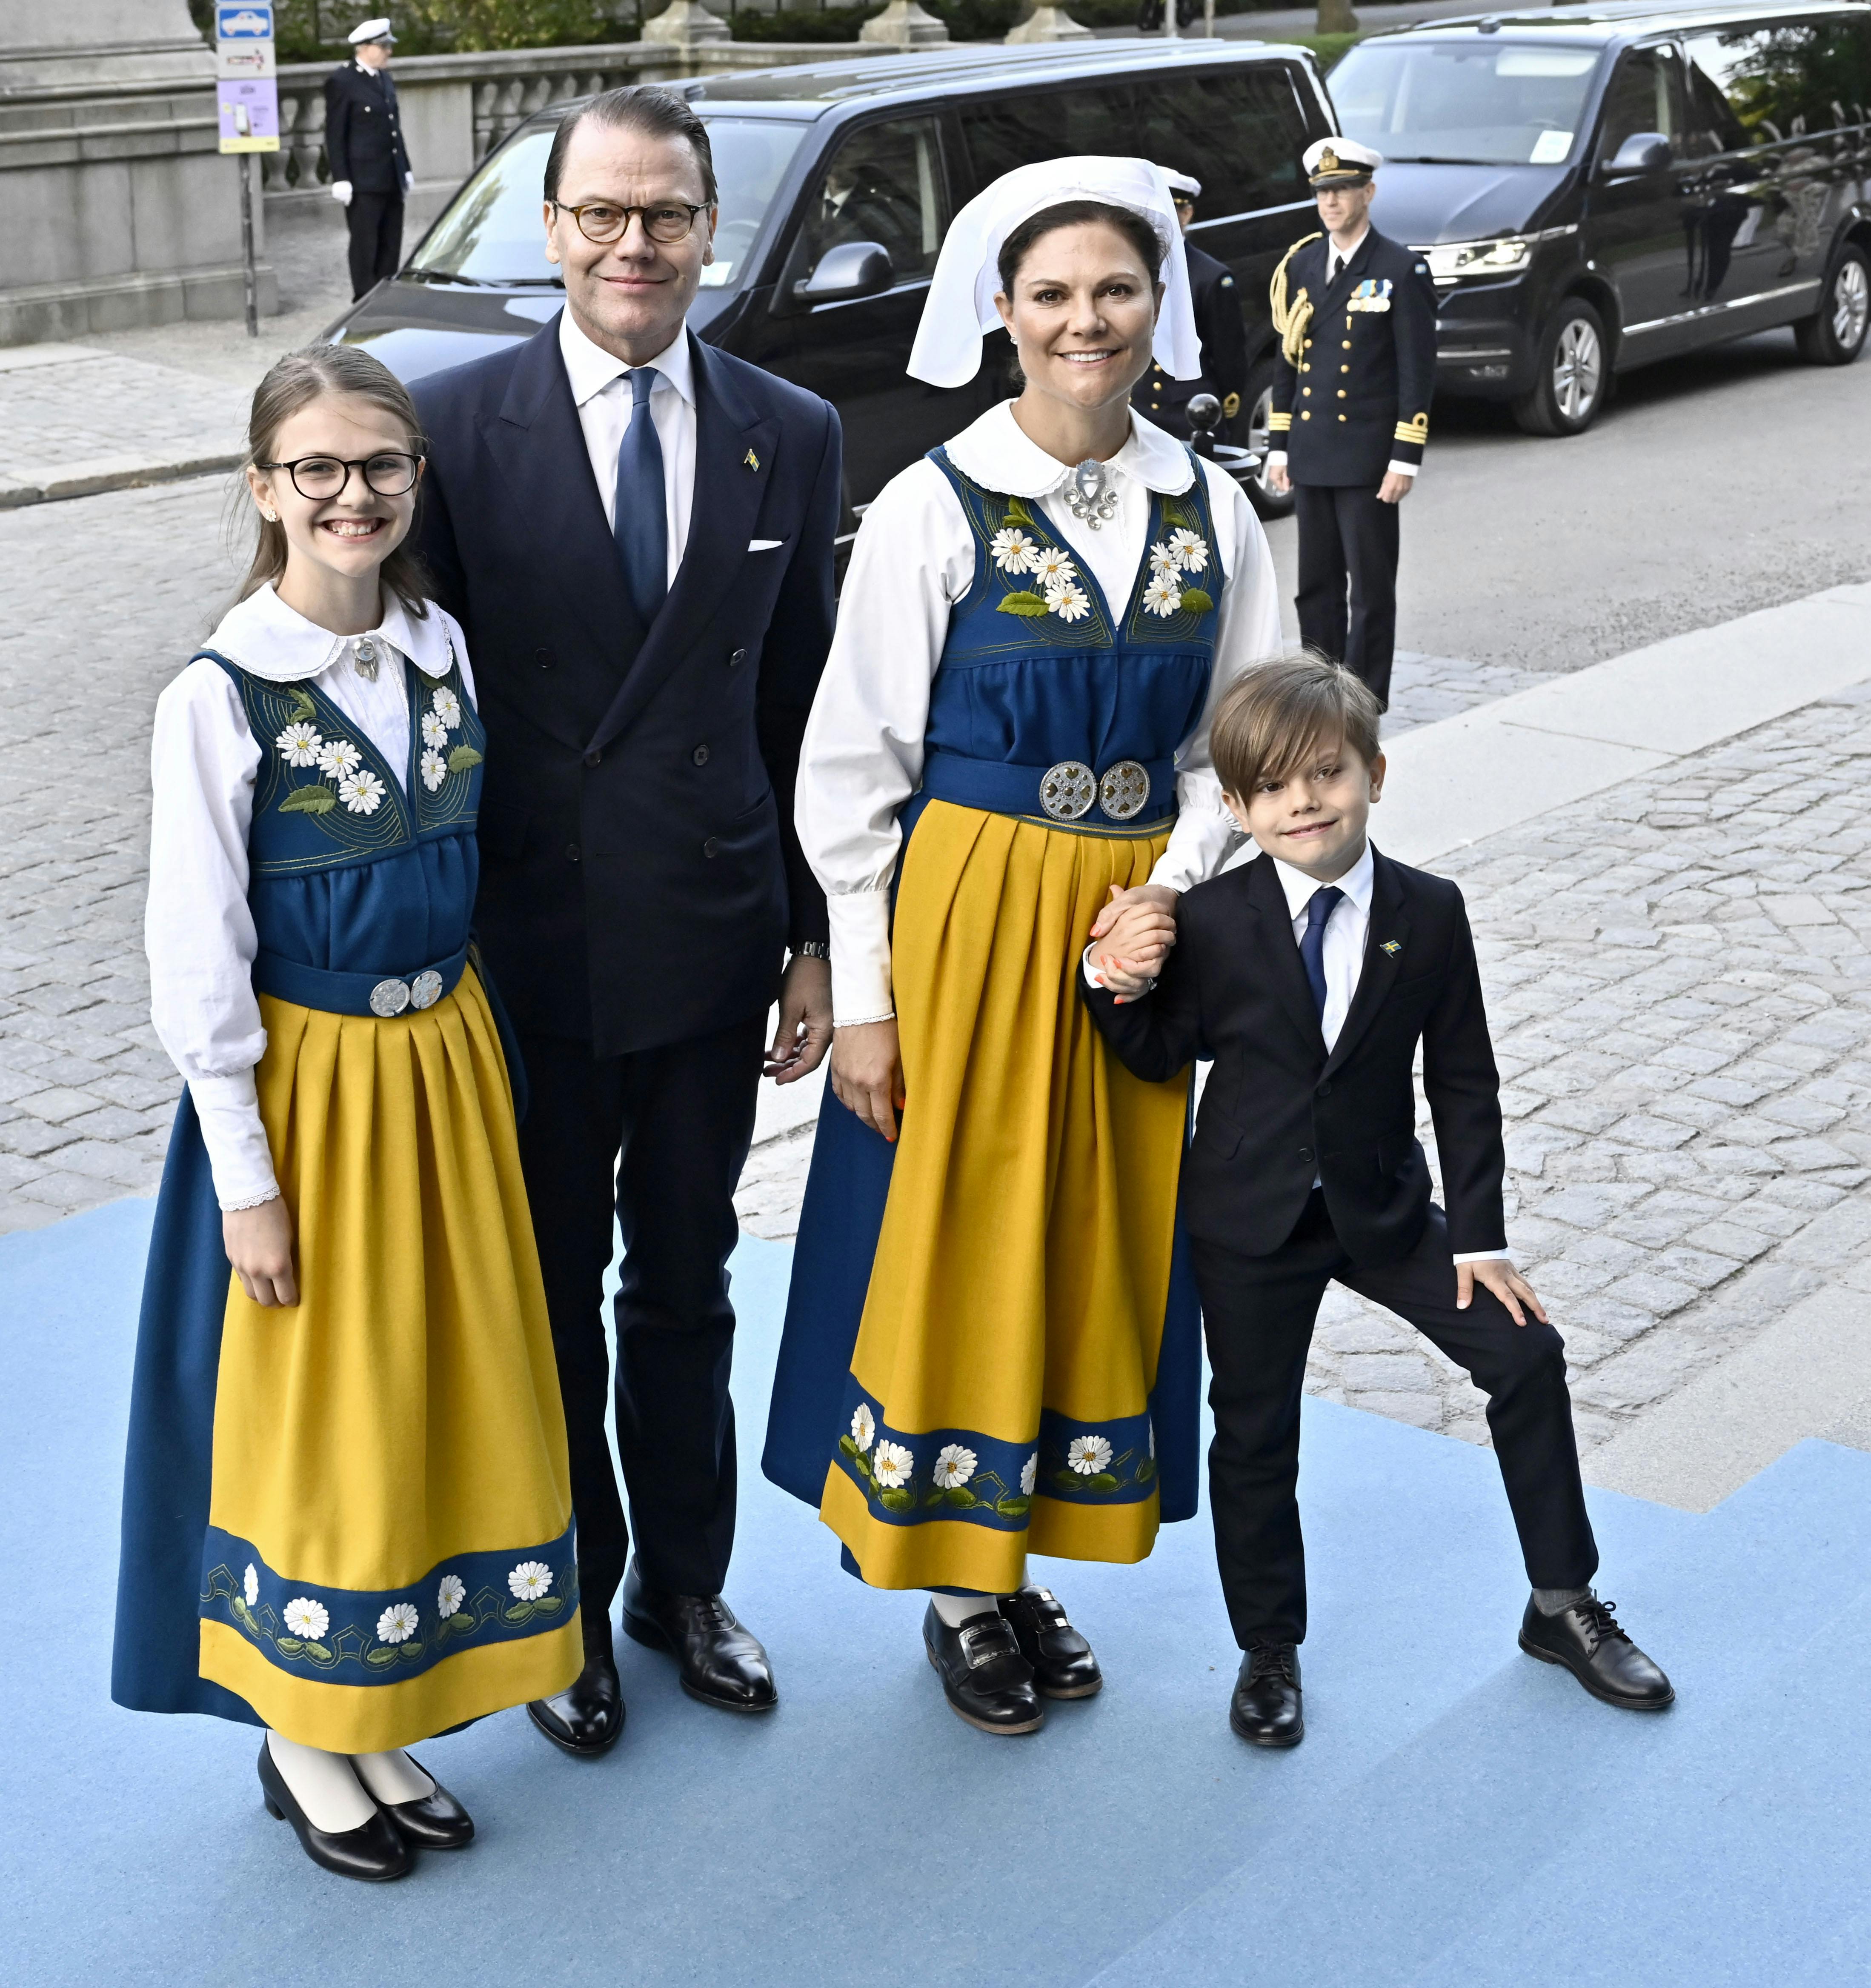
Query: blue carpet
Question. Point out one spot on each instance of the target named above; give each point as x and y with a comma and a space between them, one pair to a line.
1458, 1814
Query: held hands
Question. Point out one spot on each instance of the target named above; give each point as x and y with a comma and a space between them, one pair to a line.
867, 1074
258, 1242
341, 192
1500, 1277
804, 1031
1394, 488
1136, 928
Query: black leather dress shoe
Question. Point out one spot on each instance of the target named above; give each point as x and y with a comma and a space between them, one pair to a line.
984, 1677
433, 1821
1062, 1662
1590, 1641
1266, 1708
721, 1663
374, 1851
588, 1716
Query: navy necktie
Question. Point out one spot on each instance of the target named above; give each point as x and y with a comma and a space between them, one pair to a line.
642, 526
1312, 946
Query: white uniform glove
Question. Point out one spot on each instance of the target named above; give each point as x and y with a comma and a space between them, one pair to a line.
341, 192
409, 182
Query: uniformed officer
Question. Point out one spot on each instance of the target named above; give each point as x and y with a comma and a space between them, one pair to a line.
370, 163
1356, 316
1218, 324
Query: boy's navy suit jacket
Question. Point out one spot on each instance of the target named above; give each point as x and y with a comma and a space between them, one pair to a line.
1279, 1112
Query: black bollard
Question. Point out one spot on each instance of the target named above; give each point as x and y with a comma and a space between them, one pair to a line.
1204, 416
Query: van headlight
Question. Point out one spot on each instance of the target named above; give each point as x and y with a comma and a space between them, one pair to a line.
1505, 255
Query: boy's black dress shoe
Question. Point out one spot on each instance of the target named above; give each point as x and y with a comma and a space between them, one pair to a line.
723, 1664
374, 1851
984, 1677
1589, 1640
1061, 1659
1265, 1709
434, 1821
588, 1716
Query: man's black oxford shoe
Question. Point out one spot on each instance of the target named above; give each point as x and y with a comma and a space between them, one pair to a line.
1590, 1641
374, 1851
721, 1663
1265, 1709
984, 1677
433, 1821
1061, 1660
588, 1716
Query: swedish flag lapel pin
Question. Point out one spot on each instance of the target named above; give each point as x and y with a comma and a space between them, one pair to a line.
752, 461
1392, 946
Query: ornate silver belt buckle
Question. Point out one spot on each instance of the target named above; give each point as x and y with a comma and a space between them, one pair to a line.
1067, 790
1123, 789
389, 997
425, 989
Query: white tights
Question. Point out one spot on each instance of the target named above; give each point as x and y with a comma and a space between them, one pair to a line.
951, 1610
339, 1791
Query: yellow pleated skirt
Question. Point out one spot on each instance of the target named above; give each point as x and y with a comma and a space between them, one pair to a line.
390, 1522
1010, 1337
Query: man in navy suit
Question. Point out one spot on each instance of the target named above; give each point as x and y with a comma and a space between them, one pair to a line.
636, 532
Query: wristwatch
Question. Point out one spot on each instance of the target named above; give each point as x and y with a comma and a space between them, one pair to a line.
812, 948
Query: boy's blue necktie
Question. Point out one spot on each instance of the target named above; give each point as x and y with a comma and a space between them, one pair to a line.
1312, 946
642, 526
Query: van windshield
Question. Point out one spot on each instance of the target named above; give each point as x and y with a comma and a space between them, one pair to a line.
1479, 102
492, 233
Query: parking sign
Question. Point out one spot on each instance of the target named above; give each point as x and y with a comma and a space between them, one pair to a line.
248, 91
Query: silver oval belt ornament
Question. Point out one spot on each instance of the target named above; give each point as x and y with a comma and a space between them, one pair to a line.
1067, 790
389, 997
1123, 791
425, 989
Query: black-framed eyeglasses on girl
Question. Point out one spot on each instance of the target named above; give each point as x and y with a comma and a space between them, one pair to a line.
319, 477
601, 222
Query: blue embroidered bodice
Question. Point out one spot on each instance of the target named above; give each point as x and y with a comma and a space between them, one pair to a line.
354, 874
1039, 667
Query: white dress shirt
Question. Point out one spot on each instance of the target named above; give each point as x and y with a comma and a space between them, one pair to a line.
601, 389
198, 930
914, 559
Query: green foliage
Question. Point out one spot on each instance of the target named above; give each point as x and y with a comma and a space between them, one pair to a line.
317, 799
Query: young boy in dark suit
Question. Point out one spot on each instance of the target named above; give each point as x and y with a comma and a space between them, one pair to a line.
1310, 974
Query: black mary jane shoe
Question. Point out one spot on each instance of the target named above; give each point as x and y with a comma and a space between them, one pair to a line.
1061, 1659
1266, 1710
373, 1851
586, 1718
984, 1677
721, 1663
1589, 1641
433, 1821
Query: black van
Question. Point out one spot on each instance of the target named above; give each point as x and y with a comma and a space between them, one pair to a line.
903, 142
1598, 187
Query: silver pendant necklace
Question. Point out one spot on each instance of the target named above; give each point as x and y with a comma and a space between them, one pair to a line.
1090, 498
364, 659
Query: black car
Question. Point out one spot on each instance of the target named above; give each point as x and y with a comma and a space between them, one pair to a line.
1595, 187
837, 182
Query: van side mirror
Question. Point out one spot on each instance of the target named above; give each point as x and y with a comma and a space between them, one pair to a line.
1642, 152
848, 270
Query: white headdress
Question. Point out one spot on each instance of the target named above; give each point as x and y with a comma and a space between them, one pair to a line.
960, 304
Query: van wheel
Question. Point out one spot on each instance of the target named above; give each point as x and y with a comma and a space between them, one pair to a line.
1834, 333
1574, 379
1267, 503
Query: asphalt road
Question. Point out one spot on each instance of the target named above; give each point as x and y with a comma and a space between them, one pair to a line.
1714, 485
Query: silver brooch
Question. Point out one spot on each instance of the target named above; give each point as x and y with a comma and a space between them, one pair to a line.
1090, 498
365, 657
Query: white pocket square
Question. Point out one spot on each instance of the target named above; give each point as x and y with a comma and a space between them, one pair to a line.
765, 544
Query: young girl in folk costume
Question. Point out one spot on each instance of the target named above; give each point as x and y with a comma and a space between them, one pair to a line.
990, 1347
346, 1514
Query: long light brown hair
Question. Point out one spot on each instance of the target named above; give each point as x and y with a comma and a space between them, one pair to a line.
295, 382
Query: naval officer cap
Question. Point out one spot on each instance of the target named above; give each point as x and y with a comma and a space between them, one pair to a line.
378, 30
960, 307
1332, 162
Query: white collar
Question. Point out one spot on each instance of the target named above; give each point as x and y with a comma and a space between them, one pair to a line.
1356, 882
271, 640
1344, 254
591, 369
997, 453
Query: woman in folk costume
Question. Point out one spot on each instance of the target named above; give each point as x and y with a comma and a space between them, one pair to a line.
991, 1346
346, 1514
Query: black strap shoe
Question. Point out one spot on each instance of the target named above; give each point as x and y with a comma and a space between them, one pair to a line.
1590, 1641
586, 1718
373, 1852
984, 1677
721, 1663
434, 1821
1266, 1710
1062, 1661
